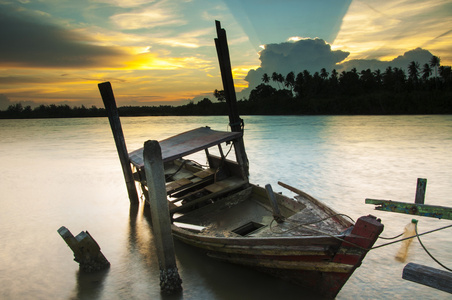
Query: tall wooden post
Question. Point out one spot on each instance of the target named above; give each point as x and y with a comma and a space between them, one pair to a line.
113, 116
420, 191
235, 121
170, 281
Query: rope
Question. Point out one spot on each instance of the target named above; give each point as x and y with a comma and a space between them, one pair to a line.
318, 230
410, 237
305, 224
362, 248
180, 168
390, 238
418, 238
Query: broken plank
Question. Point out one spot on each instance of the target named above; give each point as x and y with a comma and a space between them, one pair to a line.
432, 211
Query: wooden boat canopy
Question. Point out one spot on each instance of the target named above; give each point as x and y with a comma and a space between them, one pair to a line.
186, 143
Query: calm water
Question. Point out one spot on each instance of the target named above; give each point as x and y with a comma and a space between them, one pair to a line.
66, 172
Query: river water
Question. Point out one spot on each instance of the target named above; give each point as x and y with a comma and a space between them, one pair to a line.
65, 172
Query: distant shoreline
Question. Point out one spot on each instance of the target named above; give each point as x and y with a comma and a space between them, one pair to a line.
417, 102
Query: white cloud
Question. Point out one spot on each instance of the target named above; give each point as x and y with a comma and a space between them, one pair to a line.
126, 3
384, 29
148, 18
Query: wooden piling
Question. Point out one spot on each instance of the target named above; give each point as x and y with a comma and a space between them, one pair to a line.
235, 121
170, 282
86, 250
420, 191
428, 276
113, 116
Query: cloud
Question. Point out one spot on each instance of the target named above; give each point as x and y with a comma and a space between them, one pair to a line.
383, 29
315, 54
305, 54
419, 55
148, 18
29, 40
125, 3
4, 102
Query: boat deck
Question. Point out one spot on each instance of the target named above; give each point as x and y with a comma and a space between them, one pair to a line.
249, 215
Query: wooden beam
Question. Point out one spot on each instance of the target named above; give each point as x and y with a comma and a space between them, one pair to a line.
438, 279
170, 281
235, 121
432, 211
271, 196
113, 116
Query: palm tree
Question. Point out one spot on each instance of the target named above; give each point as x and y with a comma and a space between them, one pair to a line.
334, 74
323, 73
265, 78
290, 80
434, 62
280, 79
413, 71
275, 78
446, 73
220, 95
426, 72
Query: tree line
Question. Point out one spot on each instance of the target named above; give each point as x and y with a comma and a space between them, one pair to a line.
424, 90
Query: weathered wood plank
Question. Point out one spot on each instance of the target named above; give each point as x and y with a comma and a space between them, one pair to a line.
226, 186
432, 211
276, 212
318, 203
438, 279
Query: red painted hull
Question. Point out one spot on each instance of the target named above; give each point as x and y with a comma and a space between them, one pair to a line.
321, 263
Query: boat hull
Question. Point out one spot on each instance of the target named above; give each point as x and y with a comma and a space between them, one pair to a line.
321, 263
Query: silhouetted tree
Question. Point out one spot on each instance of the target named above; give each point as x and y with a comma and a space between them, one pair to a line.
277, 78
323, 73
290, 80
298, 85
434, 63
426, 72
262, 92
413, 71
265, 78
219, 95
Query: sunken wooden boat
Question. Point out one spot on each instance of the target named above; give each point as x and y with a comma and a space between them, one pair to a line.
215, 208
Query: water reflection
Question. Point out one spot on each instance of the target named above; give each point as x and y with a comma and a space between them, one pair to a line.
90, 285
202, 277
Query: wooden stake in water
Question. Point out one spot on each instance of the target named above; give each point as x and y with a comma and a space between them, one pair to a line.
113, 116
170, 282
86, 250
420, 191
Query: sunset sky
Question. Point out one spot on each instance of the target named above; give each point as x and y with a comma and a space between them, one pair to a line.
162, 51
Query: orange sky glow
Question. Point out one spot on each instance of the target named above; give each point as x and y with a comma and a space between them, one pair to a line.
163, 52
